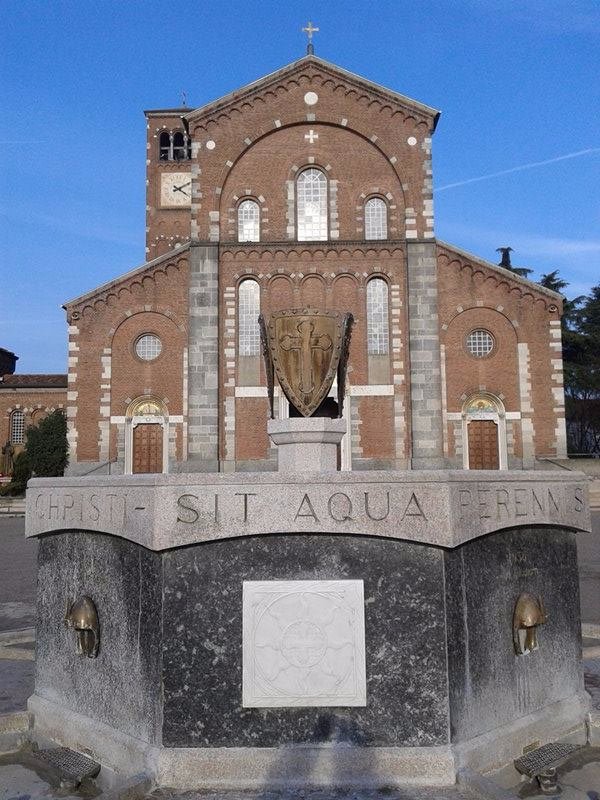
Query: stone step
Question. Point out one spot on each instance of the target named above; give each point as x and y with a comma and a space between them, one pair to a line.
9, 505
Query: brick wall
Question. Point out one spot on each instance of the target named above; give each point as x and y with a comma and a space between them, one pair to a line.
35, 405
105, 375
523, 369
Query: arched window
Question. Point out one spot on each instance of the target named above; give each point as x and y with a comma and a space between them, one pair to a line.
164, 145
311, 195
179, 146
378, 333
248, 221
375, 219
248, 311
17, 427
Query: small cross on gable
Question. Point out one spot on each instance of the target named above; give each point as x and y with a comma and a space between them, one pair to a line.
311, 136
309, 30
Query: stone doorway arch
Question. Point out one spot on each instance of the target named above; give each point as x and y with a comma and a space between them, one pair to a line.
146, 436
484, 432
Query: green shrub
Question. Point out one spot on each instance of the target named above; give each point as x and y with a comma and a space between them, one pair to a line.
20, 475
47, 447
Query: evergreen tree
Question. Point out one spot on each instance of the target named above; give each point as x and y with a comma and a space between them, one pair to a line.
569, 320
582, 377
553, 281
47, 447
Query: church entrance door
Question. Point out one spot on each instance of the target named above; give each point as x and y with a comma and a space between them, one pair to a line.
483, 444
147, 448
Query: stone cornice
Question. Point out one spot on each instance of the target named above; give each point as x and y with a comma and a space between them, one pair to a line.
338, 249
443, 508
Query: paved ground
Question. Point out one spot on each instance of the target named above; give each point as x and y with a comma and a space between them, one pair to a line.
19, 779
588, 549
453, 793
17, 575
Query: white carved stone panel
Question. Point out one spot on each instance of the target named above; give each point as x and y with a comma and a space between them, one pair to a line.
303, 644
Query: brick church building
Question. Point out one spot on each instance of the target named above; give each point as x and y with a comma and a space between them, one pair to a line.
309, 187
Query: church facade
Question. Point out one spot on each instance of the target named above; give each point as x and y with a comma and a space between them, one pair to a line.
311, 187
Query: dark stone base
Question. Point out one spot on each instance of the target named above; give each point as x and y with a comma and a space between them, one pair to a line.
441, 666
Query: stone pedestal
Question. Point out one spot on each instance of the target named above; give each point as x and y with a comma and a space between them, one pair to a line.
307, 444
366, 640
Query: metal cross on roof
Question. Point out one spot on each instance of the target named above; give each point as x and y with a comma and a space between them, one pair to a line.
309, 30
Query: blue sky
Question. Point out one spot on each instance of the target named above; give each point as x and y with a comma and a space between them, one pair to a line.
517, 84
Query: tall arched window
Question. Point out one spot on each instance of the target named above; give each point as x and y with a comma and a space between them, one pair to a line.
17, 427
179, 146
248, 221
375, 219
248, 311
311, 197
164, 146
378, 332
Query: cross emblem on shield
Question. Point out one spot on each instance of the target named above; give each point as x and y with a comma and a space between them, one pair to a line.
305, 348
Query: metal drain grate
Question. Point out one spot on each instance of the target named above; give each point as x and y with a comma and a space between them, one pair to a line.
545, 757
69, 764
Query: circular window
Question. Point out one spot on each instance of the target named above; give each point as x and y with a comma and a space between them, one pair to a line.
480, 343
148, 347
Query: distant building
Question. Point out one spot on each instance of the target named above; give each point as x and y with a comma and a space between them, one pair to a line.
25, 400
309, 187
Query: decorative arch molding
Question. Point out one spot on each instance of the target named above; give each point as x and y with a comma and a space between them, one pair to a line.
124, 286
275, 253
315, 73
498, 278
31, 409
163, 311
296, 279
298, 120
475, 307
484, 406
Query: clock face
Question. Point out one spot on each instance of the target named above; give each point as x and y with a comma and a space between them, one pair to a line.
175, 189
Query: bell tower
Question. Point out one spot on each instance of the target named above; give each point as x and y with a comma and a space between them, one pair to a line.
168, 180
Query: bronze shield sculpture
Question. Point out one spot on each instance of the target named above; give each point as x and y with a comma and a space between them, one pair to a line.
306, 348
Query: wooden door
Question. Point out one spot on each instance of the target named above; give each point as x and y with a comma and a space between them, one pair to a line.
483, 444
148, 448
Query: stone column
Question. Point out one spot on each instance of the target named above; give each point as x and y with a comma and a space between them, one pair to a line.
424, 349
307, 444
203, 385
